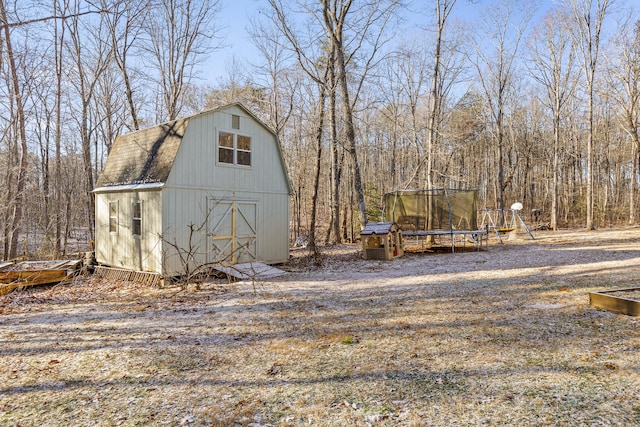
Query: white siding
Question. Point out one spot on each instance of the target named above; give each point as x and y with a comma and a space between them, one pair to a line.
194, 180
122, 249
196, 164
196, 177
181, 210
184, 207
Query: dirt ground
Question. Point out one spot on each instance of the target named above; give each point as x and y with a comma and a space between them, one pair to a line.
499, 337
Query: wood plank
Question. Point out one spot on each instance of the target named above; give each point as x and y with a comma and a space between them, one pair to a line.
251, 270
5, 265
74, 264
122, 275
5, 289
615, 301
30, 275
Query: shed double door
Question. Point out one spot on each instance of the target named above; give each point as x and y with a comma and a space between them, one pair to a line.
232, 231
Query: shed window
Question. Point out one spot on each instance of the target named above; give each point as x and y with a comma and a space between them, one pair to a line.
136, 223
225, 147
234, 149
244, 150
235, 122
113, 217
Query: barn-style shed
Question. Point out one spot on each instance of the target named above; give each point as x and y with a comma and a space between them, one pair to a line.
212, 186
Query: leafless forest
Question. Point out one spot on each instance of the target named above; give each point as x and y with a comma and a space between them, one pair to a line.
535, 102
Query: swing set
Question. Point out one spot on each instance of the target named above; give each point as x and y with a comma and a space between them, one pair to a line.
504, 220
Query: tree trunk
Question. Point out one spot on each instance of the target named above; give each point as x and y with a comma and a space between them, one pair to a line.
443, 8
57, 175
334, 25
554, 179
589, 201
632, 185
336, 163
313, 249
16, 215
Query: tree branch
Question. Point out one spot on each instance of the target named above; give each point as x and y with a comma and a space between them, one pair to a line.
49, 18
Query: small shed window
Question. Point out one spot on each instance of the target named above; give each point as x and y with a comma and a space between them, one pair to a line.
136, 224
234, 149
235, 122
113, 217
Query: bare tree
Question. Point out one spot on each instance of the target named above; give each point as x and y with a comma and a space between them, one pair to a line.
91, 57
322, 92
58, 49
284, 83
42, 92
311, 59
372, 19
281, 84
553, 58
623, 78
442, 11
352, 35
125, 22
110, 117
495, 65
589, 16
179, 33
238, 86
16, 205
403, 92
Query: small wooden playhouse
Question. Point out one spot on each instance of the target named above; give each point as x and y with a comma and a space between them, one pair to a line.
213, 185
382, 240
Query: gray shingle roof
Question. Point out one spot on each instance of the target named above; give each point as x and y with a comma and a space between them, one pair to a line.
378, 228
143, 157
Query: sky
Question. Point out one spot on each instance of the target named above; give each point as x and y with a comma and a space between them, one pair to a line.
236, 16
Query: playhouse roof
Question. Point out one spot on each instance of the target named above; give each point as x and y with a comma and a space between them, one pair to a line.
379, 228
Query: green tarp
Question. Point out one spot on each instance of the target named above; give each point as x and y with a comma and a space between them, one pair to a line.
438, 209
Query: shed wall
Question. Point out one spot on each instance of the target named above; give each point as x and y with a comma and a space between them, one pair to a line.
183, 207
197, 166
121, 248
196, 178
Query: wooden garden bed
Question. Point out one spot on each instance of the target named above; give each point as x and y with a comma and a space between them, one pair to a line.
623, 301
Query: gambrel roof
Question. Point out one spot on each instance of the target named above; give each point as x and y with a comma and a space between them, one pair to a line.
144, 158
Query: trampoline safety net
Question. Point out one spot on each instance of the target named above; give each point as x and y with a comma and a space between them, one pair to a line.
437, 209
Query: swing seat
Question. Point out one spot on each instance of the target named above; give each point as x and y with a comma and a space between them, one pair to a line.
505, 230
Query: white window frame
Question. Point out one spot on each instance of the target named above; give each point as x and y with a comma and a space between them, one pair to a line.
135, 218
114, 217
235, 148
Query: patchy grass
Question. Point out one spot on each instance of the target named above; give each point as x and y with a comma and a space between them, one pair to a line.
502, 337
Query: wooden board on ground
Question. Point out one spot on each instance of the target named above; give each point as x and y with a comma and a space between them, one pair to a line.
6, 288
7, 264
251, 270
123, 275
32, 273
623, 301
